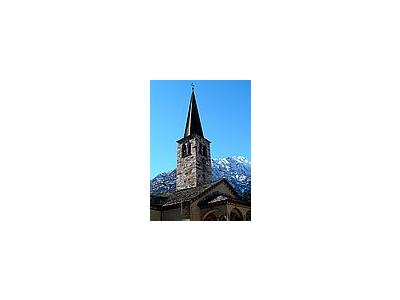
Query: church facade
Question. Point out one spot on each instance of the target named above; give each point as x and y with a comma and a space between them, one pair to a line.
196, 197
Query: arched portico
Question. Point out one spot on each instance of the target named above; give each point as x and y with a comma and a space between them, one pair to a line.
210, 216
235, 215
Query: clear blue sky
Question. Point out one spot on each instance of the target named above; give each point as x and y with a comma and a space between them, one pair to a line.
224, 108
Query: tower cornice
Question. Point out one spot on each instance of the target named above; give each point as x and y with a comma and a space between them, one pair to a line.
186, 138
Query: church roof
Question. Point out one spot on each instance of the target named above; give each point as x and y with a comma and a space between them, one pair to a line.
193, 124
188, 195
217, 198
180, 196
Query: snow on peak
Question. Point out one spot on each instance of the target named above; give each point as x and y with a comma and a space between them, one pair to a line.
241, 159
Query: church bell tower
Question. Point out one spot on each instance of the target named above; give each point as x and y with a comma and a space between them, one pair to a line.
193, 159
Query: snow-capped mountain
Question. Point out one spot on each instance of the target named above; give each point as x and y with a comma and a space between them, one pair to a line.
163, 183
235, 169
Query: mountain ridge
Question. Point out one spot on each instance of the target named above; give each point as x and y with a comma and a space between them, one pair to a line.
235, 169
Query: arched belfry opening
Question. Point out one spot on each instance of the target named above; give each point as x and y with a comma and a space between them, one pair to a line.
184, 151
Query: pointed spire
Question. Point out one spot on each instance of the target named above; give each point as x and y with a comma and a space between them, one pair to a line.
193, 124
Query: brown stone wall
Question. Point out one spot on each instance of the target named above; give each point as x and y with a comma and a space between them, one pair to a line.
174, 214
195, 212
155, 215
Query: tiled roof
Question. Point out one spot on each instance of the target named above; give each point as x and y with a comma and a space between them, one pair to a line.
181, 196
187, 195
214, 198
218, 197
157, 201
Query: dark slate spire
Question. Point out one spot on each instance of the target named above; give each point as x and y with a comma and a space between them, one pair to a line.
193, 125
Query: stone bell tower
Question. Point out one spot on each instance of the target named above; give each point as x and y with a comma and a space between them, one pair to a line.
193, 159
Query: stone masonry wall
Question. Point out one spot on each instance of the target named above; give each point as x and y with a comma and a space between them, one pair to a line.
194, 169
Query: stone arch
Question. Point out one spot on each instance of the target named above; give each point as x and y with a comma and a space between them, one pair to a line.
210, 216
235, 215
